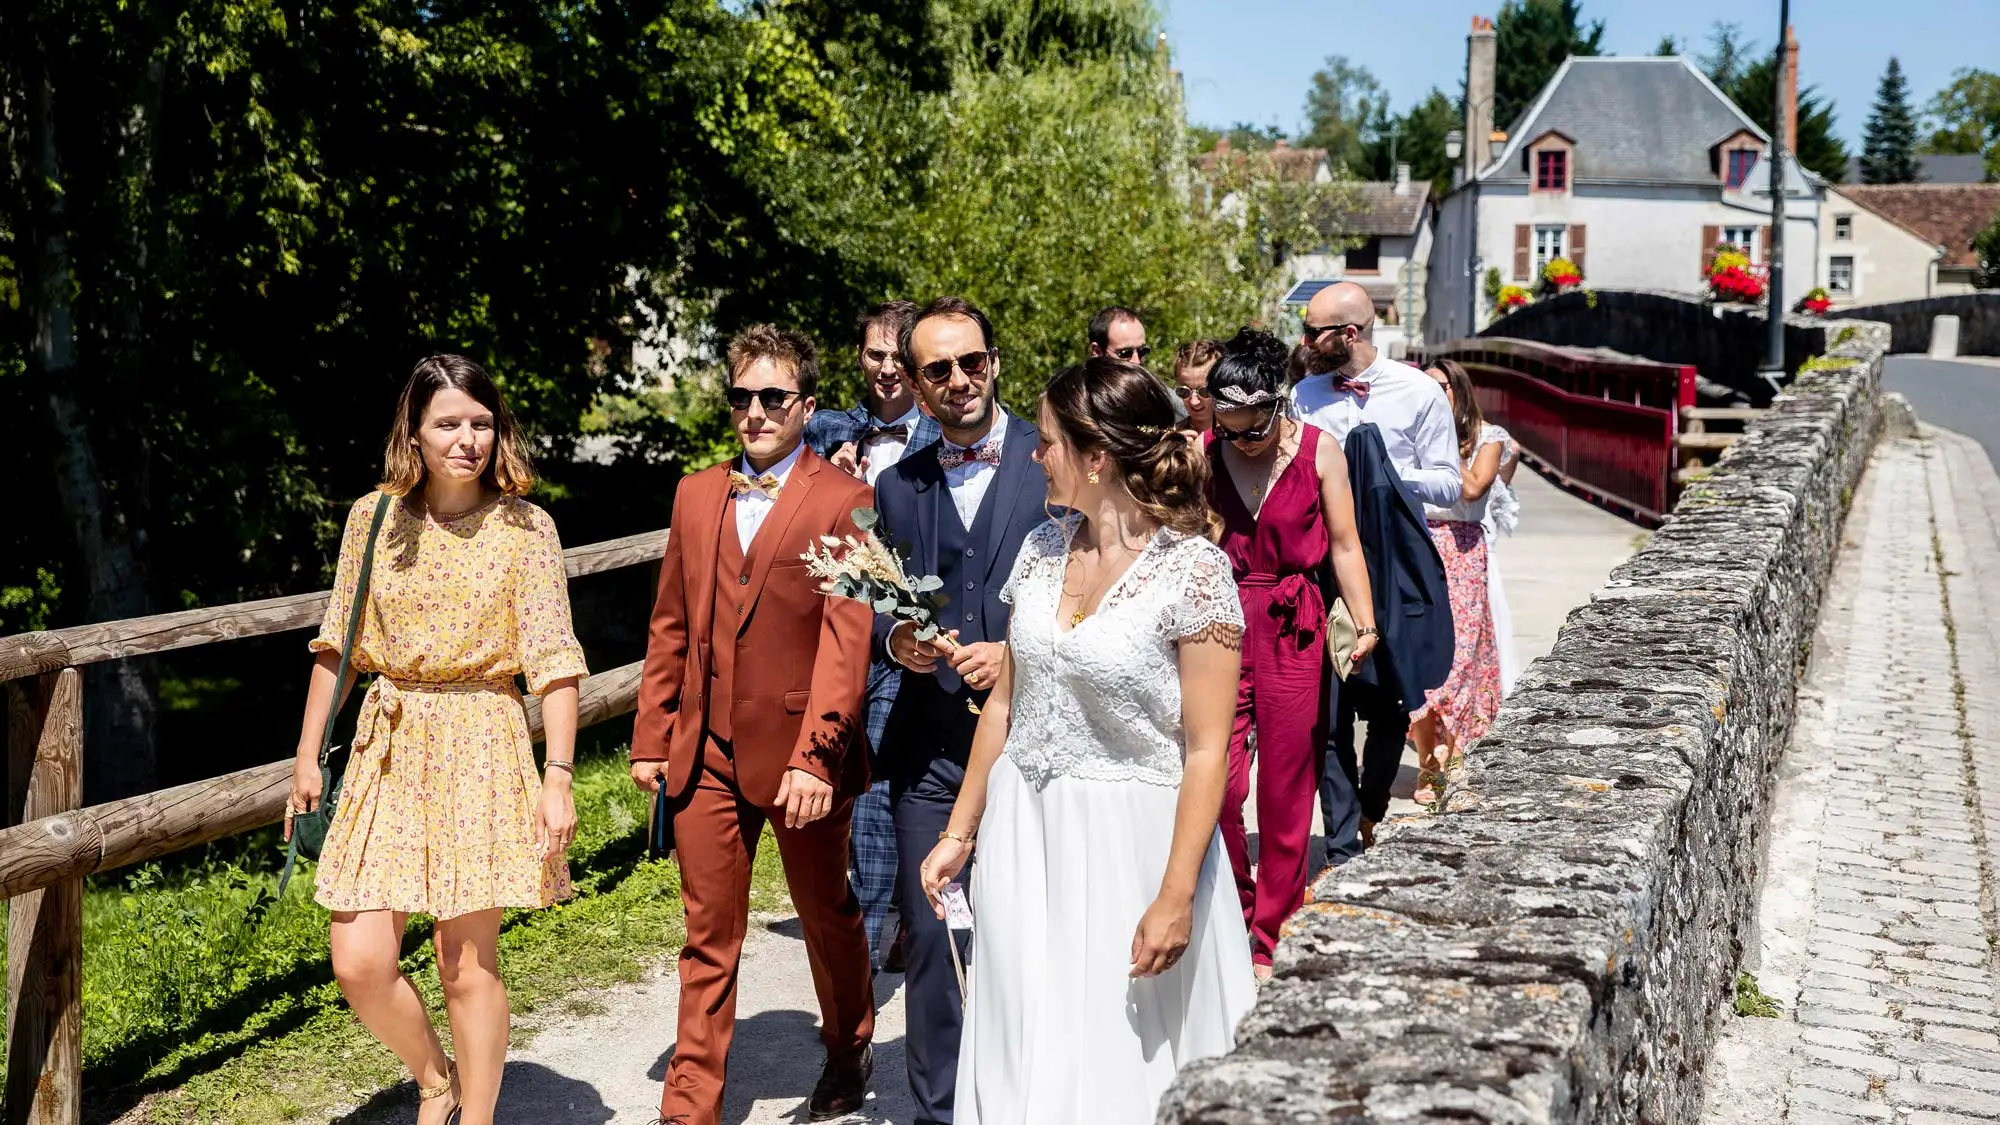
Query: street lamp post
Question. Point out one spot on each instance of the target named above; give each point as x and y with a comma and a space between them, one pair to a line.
1774, 348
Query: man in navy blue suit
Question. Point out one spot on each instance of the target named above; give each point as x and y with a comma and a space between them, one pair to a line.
959, 509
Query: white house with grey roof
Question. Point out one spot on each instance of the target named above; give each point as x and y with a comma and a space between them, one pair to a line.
1636, 169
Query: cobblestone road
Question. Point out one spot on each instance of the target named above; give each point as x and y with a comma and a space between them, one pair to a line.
1876, 918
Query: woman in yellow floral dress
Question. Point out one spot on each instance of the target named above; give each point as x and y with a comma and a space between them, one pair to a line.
441, 811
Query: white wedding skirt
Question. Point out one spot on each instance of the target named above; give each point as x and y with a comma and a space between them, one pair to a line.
1056, 1030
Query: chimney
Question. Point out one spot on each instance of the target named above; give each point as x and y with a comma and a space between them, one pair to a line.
1791, 90
1480, 48
1402, 178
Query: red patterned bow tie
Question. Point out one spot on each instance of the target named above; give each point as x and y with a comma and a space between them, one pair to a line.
949, 459
741, 485
1351, 385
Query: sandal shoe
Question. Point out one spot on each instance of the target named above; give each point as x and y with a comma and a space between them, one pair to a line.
1430, 788
432, 1093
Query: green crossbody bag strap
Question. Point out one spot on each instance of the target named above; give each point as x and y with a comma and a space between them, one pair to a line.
328, 787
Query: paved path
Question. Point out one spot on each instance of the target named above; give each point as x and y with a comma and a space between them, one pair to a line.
607, 1066
1876, 918
1965, 392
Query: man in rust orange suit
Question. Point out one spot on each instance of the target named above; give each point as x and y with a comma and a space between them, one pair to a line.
750, 710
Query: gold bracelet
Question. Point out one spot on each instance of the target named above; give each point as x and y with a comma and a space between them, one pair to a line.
948, 834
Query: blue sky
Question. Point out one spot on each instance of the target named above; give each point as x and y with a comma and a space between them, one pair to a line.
1251, 60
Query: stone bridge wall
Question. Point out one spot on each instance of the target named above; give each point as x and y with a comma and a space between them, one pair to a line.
1910, 322
1724, 342
1558, 947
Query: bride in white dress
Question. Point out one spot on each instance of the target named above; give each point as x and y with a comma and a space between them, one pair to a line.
1109, 948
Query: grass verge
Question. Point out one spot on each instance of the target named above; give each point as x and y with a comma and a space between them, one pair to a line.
207, 998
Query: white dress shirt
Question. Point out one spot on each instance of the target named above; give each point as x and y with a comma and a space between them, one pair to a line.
1411, 411
968, 482
752, 507
882, 450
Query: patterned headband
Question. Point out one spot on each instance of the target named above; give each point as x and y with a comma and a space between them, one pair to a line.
1238, 397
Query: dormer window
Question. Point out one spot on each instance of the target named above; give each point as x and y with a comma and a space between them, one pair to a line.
1735, 159
1742, 161
1551, 163
1552, 170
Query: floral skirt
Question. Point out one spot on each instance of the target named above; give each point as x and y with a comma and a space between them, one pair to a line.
439, 806
1469, 699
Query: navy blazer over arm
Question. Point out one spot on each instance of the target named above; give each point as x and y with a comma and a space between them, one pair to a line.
1412, 601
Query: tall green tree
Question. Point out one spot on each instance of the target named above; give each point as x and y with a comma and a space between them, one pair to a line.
1532, 38
1964, 117
1344, 105
1416, 137
1889, 144
1748, 76
1668, 47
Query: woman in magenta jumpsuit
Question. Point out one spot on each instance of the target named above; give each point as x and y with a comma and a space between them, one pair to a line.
1280, 487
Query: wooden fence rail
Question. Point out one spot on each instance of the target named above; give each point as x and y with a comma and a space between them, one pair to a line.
28, 654
53, 842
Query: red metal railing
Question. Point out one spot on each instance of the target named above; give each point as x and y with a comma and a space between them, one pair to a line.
1600, 425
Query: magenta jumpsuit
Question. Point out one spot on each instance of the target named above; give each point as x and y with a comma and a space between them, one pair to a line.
1277, 558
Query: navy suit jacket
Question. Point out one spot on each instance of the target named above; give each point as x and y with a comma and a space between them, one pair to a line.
930, 718
1405, 572
828, 430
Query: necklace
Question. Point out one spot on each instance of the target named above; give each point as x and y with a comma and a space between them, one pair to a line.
1077, 617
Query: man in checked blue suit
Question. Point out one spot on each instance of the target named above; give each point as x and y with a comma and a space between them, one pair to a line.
958, 508
866, 441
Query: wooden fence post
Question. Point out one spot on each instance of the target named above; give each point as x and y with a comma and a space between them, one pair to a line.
45, 927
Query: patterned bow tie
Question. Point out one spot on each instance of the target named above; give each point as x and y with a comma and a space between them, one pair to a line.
949, 459
899, 431
740, 485
1351, 385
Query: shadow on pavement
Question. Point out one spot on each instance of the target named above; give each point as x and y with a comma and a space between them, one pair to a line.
530, 1094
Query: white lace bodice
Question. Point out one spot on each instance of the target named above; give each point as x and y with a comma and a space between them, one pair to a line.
1102, 701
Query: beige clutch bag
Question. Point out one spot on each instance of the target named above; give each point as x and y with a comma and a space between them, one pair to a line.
1341, 637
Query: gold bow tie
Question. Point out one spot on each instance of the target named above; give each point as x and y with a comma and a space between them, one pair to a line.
740, 485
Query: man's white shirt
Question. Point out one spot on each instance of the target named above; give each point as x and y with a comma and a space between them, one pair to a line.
968, 482
1410, 410
752, 507
882, 450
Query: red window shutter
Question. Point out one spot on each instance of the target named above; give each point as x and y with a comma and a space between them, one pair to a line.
1710, 236
1576, 248
1522, 233
1560, 180
1764, 246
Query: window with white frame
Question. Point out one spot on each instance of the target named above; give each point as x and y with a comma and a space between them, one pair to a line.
1549, 245
1840, 275
1743, 238
1843, 228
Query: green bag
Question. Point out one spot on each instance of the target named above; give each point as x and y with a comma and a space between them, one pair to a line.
309, 828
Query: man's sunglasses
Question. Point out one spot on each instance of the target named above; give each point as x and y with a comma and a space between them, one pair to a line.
1257, 434
773, 398
1312, 332
1187, 393
1137, 353
974, 365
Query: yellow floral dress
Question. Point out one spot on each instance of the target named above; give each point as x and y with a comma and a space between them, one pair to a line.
439, 807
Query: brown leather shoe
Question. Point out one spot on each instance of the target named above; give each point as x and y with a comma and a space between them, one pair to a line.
843, 1084
1367, 833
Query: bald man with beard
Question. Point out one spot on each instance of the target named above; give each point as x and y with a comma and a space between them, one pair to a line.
1350, 383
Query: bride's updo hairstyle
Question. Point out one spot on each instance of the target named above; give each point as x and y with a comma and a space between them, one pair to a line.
1107, 404
1251, 373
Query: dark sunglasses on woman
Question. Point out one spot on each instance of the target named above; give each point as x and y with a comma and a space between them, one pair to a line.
1187, 393
972, 363
773, 398
1259, 433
